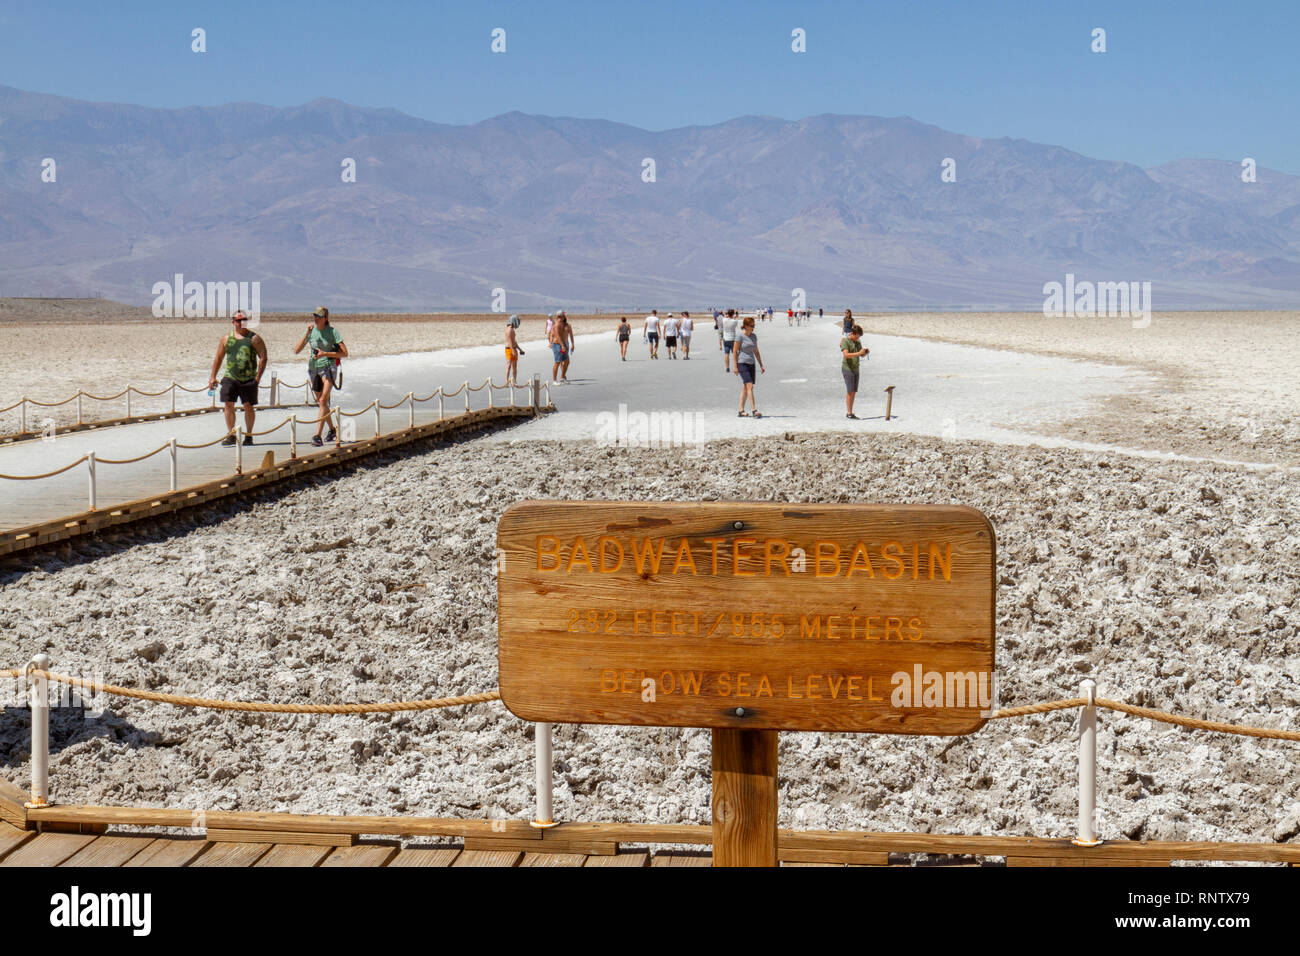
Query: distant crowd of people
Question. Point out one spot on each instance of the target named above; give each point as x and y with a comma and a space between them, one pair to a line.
737, 340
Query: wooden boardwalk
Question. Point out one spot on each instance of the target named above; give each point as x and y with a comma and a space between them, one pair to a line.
157, 501
110, 836
29, 848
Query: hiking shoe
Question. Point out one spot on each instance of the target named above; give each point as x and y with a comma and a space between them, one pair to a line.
851, 415
248, 439
316, 442
228, 440
329, 435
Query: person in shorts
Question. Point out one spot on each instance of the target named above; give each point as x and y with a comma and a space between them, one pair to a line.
561, 339
513, 351
852, 349
244, 353
848, 321
686, 327
670, 335
326, 349
624, 336
650, 330
748, 361
730, 323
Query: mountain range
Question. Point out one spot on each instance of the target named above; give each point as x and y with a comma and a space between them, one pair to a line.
558, 212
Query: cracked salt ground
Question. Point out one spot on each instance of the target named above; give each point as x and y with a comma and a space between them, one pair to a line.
1174, 584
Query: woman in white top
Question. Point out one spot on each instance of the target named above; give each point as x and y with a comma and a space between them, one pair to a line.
687, 326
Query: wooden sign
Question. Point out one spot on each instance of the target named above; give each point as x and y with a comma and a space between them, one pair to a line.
747, 615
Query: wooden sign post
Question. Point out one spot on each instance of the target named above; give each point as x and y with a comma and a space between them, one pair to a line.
747, 618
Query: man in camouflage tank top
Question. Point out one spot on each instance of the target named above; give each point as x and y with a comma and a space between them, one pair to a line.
244, 353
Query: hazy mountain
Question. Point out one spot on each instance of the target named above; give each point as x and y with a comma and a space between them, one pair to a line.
555, 211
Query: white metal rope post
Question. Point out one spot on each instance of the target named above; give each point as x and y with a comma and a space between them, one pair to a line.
128, 401
377, 423
537, 391
337, 425
79, 394
90, 470
275, 390
491, 396
410, 398
22, 415
293, 436
40, 701
439, 403
542, 737
171, 446
466, 387
1088, 766
239, 450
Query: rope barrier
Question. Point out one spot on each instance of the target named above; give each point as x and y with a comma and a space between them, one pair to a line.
140, 391
208, 444
1215, 726
1193, 723
16, 404
360, 411
129, 461
185, 388
48, 474
108, 398
272, 428
32, 401
181, 700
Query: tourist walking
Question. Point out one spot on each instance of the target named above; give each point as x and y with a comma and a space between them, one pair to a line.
848, 321
852, 349
624, 334
513, 351
244, 353
748, 360
730, 323
327, 349
650, 332
561, 340
687, 326
670, 335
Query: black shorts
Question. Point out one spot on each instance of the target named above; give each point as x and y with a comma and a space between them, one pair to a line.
746, 372
319, 377
245, 393
670, 341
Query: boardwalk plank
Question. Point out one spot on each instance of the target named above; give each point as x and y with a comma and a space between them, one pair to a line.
489, 858
48, 849
682, 858
169, 851
626, 858
11, 838
360, 856
294, 854
232, 854
425, 856
553, 859
108, 851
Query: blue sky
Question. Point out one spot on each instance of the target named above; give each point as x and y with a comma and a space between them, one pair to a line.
1178, 80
